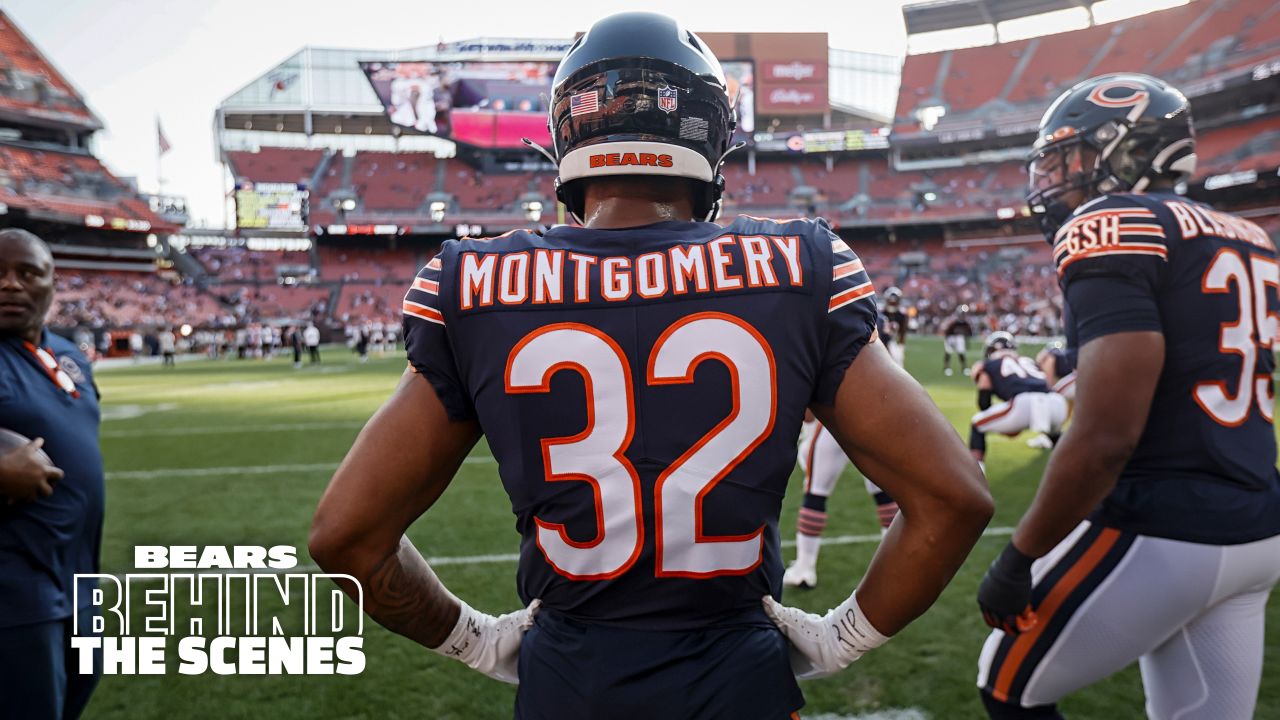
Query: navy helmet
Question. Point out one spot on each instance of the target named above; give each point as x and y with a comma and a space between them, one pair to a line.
1138, 128
637, 94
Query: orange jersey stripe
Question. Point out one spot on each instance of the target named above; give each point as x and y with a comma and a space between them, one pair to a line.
424, 312
848, 268
1060, 592
430, 286
434, 264
1128, 249
841, 299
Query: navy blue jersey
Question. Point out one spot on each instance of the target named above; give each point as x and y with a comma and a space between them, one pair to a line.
957, 325
46, 542
1064, 361
1012, 374
642, 391
894, 327
1205, 467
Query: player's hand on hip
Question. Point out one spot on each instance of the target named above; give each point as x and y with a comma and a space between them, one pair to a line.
490, 644
27, 473
823, 645
1005, 593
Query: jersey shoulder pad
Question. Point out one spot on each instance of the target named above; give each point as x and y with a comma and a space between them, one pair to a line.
1111, 230
422, 300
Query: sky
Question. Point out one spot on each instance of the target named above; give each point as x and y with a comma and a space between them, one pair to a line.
138, 60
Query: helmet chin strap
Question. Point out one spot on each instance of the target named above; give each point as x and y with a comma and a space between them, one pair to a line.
714, 211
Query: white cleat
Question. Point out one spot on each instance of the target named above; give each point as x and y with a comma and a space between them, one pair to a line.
800, 577
947, 372
1040, 442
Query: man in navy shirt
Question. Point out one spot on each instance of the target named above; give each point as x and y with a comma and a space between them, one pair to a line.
641, 382
1155, 533
51, 517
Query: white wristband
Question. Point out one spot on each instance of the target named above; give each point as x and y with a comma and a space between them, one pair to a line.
855, 633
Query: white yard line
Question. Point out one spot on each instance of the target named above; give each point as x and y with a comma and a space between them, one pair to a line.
514, 557
244, 470
229, 429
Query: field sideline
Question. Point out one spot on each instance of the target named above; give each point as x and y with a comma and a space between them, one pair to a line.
238, 452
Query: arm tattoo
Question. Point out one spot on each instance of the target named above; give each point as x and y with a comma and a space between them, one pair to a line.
404, 595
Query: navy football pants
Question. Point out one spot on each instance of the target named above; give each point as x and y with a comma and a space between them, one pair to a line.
576, 671
38, 673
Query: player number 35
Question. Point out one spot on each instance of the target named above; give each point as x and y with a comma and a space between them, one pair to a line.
597, 454
1251, 279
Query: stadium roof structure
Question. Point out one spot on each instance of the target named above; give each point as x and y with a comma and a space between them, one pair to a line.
31, 88
330, 79
951, 14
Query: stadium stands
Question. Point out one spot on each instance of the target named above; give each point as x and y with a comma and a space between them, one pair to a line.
282, 165
100, 299
1199, 38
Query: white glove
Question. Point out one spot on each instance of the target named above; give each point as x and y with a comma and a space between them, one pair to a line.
487, 643
823, 645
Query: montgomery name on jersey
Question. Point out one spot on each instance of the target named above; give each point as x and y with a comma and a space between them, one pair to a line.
645, 452
1209, 282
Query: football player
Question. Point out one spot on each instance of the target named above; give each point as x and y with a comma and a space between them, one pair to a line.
1017, 381
1058, 363
1155, 534
893, 327
641, 381
956, 331
822, 461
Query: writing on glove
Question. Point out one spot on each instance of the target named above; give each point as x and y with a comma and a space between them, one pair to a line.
489, 644
823, 645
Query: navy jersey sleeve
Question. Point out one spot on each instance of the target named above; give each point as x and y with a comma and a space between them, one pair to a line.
849, 308
1111, 256
427, 343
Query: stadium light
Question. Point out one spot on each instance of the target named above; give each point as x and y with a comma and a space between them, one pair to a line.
437, 211
532, 210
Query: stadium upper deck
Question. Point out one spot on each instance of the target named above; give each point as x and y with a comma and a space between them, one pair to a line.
962, 121
46, 171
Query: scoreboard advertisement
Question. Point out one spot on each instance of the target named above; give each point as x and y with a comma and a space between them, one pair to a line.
271, 206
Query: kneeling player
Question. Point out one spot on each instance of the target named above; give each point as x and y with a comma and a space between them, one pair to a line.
1155, 533
1028, 404
822, 461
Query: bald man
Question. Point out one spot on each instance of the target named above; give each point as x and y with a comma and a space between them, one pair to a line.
50, 515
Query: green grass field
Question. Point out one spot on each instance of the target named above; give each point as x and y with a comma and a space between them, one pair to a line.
238, 452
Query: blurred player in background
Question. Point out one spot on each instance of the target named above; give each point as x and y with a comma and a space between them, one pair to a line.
893, 326
956, 331
50, 516
822, 461
1026, 402
1155, 534
641, 382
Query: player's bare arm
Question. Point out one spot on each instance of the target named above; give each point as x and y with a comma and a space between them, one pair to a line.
1115, 383
893, 432
890, 429
382, 486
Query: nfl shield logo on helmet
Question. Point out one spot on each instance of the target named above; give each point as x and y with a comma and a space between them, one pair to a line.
667, 99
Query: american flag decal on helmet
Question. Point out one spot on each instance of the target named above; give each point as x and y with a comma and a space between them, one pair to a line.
583, 103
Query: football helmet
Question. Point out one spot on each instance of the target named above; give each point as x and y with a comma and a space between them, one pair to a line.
637, 94
999, 340
1112, 133
892, 297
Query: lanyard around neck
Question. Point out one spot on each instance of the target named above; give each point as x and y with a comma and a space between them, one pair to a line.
58, 376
